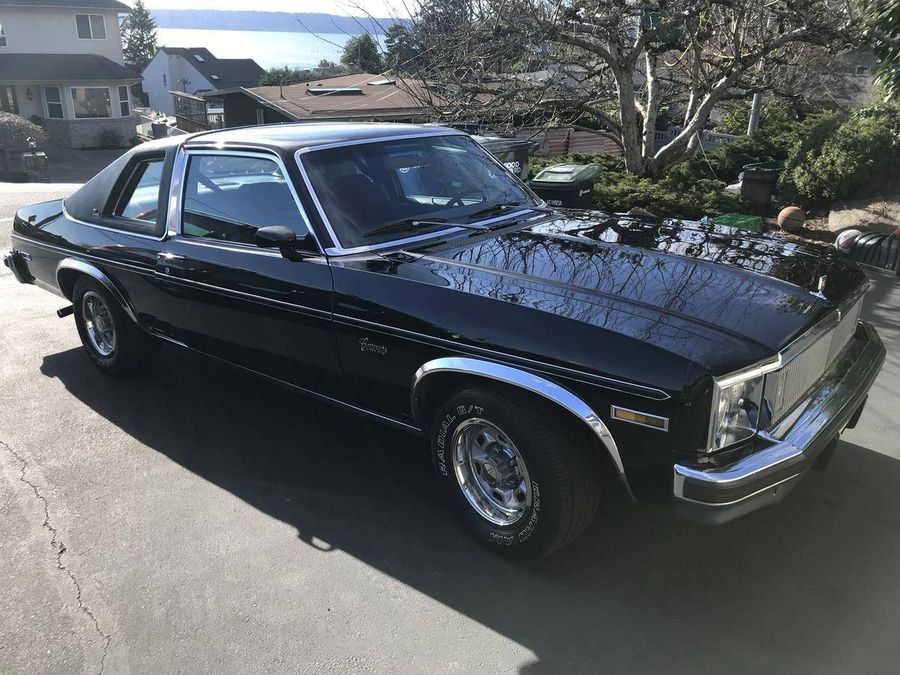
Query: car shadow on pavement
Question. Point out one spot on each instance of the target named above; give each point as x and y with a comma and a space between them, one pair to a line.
812, 581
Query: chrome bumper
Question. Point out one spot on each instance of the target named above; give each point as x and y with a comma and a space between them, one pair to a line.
722, 493
14, 261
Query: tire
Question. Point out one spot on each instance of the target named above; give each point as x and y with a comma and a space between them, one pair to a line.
563, 477
124, 349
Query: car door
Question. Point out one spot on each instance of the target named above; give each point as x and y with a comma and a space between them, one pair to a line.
227, 297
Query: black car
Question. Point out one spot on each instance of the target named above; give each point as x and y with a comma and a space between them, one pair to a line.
402, 273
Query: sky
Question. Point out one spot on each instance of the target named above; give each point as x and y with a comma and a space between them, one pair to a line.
343, 7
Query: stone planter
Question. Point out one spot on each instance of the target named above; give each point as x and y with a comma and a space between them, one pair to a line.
34, 166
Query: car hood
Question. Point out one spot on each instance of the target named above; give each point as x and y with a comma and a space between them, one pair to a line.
750, 294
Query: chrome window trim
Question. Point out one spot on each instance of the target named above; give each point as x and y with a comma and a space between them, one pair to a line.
179, 185
528, 382
338, 249
71, 218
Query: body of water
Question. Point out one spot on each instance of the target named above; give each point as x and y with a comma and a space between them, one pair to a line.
268, 49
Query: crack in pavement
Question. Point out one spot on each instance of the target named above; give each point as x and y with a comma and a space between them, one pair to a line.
59, 547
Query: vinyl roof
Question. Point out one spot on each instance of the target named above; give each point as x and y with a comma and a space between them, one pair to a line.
295, 136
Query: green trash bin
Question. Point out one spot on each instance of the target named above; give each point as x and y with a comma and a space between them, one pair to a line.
568, 185
758, 183
513, 152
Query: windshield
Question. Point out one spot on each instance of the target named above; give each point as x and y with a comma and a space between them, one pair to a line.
378, 192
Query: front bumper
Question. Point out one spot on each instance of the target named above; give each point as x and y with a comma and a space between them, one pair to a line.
765, 476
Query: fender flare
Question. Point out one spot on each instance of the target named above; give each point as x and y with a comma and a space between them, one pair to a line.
528, 382
82, 267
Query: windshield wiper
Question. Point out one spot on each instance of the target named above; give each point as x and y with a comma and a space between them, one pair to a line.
497, 208
401, 225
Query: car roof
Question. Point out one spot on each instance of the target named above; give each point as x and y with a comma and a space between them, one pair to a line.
295, 136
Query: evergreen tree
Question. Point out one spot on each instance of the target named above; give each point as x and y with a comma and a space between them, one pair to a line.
883, 31
138, 37
361, 55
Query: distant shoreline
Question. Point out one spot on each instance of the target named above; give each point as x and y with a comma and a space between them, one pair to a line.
281, 22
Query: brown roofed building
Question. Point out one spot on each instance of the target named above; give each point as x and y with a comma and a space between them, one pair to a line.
360, 97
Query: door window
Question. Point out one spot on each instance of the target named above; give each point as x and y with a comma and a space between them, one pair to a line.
229, 197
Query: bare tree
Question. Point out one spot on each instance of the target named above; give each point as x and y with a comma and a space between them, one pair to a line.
610, 66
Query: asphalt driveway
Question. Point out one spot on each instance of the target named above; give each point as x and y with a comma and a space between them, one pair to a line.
200, 520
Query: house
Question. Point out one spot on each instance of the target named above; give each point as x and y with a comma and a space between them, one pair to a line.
61, 61
193, 70
360, 97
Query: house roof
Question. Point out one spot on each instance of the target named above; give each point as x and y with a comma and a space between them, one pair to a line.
230, 72
364, 94
78, 4
61, 68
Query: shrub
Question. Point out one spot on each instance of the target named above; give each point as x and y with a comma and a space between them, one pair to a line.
110, 138
777, 124
690, 193
15, 132
625, 191
846, 156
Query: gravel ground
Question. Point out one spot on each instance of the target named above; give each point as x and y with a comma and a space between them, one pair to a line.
199, 520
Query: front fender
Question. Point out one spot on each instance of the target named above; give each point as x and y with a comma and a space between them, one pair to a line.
523, 380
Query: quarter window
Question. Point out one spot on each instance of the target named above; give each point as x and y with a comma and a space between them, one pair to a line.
124, 101
229, 197
141, 194
90, 26
91, 102
53, 99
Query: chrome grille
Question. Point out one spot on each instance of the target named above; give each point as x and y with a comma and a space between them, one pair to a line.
799, 374
844, 331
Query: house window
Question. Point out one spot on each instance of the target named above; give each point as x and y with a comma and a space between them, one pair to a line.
91, 102
53, 99
90, 26
165, 83
2, 36
260, 116
124, 101
861, 70
8, 102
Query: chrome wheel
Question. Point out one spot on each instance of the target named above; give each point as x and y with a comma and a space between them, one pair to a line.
490, 471
98, 323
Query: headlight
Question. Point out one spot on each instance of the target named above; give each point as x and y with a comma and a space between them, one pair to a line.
736, 410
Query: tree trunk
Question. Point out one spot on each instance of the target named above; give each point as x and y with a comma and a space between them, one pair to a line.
631, 139
651, 108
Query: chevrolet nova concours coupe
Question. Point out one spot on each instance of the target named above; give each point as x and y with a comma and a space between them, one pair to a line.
403, 273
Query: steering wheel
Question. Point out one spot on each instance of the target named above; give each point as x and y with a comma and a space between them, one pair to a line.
456, 200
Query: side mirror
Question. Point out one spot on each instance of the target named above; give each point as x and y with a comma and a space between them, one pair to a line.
275, 236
